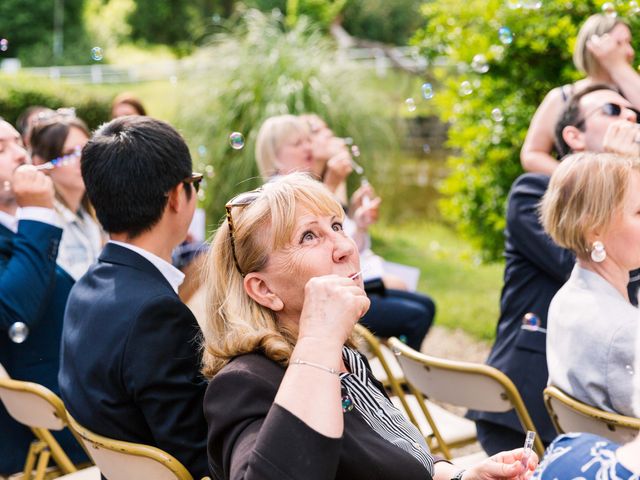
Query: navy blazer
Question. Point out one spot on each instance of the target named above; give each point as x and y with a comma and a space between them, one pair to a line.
130, 358
33, 290
535, 269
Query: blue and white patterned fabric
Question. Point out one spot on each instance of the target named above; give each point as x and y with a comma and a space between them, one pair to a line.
582, 456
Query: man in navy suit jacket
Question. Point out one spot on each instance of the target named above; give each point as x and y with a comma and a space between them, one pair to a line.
130, 347
33, 291
536, 267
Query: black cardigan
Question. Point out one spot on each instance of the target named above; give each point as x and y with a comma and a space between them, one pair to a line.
251, 438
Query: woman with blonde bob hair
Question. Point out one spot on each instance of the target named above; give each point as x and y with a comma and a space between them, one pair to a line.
603, 53
289, 396
592, 207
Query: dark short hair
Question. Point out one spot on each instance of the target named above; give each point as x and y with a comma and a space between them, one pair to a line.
128, 167
572, 115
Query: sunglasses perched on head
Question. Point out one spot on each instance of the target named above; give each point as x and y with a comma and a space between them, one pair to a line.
610, 110
242, 200
194, 180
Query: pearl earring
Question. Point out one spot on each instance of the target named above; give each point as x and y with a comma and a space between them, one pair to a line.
598, 253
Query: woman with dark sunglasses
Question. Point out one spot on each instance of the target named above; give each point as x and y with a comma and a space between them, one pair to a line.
289, 396
603, 52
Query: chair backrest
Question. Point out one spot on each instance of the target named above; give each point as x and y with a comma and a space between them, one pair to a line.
32, 404
119, 460
465, 384
571, 415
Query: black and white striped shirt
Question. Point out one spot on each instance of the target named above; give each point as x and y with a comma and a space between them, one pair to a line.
379, 413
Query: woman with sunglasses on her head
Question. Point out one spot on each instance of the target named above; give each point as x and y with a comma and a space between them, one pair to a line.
289, 396
604, 54
56, 146
284, 145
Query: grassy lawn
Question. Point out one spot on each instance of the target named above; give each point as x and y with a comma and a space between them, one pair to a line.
466, 292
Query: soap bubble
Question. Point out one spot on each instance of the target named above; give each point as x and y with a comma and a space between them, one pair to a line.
97, 54
629, 369
479, 64
609, 9
531, 4
202, 150
411, 104
4, 45
427, 91
497, 115
355, 151
465, 88
426, 148
209, 171
505, 35
236, 140
18, 332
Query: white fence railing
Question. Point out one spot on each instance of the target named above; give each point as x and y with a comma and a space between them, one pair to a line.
376, 58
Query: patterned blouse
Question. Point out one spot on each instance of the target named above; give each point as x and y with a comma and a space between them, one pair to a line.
378, 411
582, 456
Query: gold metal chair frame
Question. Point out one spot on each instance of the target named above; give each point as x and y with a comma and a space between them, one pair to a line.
46, 446
509, 391
435, 438
616, 427
96, 441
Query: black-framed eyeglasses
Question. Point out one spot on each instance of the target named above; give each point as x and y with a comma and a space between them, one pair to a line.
241, 200
194, 180
610, 110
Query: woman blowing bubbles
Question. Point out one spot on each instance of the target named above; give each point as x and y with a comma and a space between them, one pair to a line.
289, 397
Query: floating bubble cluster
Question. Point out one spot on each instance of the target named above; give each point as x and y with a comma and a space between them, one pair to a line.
18, 332
505, 35
355, 151
4, 45
479, 64
427, 91
411, 104
97, 54
236, 140
497, 115
465, 88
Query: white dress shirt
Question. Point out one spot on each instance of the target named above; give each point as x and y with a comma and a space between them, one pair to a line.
37, 214
174, 276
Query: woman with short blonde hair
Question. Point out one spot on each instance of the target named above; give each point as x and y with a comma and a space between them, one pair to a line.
592, 207
280, 137
289, 396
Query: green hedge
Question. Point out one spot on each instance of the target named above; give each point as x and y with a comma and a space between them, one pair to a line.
20, 92
520, 73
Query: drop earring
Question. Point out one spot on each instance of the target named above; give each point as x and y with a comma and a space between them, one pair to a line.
598, 253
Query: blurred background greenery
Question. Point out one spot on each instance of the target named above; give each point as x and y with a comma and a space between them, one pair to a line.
439, 134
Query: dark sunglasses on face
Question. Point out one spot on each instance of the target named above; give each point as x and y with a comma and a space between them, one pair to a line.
610, 110
194, 180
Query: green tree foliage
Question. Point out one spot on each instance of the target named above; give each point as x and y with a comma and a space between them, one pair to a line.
18, 93
320, 12
28, 26
264, 69
486, 141
382, 20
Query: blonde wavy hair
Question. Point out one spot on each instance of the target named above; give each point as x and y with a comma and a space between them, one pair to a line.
585, 193
236, 324
271, 136
597, 24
